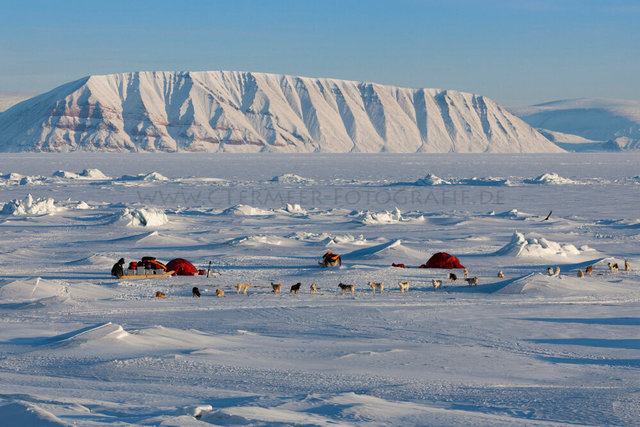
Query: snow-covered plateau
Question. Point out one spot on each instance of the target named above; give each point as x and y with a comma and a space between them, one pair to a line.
230, 111
78, 347
587, 124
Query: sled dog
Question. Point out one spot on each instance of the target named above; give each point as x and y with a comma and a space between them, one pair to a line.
404, 287
276, 287
472, 281
243, 287
378, 286
344, 288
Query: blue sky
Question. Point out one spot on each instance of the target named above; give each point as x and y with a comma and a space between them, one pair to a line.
517, 52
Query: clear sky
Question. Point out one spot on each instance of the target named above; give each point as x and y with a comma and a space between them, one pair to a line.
517, 52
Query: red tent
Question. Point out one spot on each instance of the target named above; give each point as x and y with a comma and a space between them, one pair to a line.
182, 267
443, 260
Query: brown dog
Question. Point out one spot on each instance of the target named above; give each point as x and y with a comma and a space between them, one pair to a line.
219, 293
277, 287
589, 270
160, 295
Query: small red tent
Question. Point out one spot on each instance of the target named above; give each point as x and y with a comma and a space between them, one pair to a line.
182, 267
443, 260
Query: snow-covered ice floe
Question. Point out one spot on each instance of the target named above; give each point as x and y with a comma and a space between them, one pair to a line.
538, 247
551, 178
145, 217
29, 206
290, 178
86, 174
246, 210
386, 217
431, 179
148, 177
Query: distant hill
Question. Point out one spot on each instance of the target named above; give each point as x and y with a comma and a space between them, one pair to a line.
218, 111
605, 124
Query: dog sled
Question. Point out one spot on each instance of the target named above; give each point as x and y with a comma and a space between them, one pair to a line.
146, 276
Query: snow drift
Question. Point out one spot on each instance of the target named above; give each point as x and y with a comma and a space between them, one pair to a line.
217, 111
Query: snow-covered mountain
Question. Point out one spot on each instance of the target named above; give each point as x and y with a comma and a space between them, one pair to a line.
9, 99
612, 124
247, 112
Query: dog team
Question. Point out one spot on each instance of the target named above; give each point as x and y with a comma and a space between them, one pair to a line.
404, 286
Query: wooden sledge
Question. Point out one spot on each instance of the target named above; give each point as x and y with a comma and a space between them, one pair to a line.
145, 276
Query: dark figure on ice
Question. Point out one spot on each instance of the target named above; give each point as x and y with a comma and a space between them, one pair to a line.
118, 268
195, 292
330, 260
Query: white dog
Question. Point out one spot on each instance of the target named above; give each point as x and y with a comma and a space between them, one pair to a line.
580, 273
378, 286
243, 287
404, 287
314, 288
436, 283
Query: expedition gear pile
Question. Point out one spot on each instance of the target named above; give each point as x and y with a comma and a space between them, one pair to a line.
330, 260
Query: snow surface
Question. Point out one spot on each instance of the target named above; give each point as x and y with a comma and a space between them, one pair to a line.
230, 111
80, 348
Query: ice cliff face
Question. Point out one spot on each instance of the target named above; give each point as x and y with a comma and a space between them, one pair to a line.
219, 111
